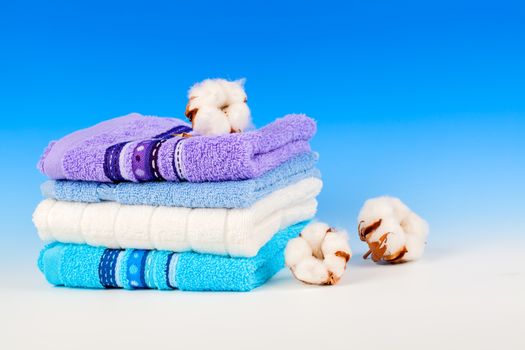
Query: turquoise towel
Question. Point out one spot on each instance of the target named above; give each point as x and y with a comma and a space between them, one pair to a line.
79, 265
227, 194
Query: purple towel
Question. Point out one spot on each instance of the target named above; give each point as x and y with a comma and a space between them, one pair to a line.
144, 148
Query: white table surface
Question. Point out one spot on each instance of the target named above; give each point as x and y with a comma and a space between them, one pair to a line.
466, 295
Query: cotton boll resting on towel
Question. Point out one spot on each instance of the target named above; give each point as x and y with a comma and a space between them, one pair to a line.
392, 231
319, 255
218, 107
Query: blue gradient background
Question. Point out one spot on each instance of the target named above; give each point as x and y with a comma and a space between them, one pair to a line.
422, 100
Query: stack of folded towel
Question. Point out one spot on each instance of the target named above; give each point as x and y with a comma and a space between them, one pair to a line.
135, 203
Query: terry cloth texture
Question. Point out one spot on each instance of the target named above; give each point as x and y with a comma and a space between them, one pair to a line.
79, 265
225, 194
144, 148
234, 232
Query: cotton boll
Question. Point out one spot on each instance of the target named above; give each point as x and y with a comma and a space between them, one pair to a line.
210, 121
392, 231
314, 234
319, 255
311, 270
226, 98
239, 116
296, 250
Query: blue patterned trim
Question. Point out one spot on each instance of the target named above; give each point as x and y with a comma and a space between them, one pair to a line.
135, 268
107, 268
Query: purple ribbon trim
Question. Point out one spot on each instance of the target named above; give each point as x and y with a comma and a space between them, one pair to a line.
145, 157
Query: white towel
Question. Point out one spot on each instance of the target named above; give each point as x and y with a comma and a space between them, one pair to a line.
234, 232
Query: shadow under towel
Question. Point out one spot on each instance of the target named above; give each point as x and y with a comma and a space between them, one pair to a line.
145, 148
78, 265
224, 194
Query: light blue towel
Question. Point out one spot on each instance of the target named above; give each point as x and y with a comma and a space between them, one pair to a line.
79, 265
227, 194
